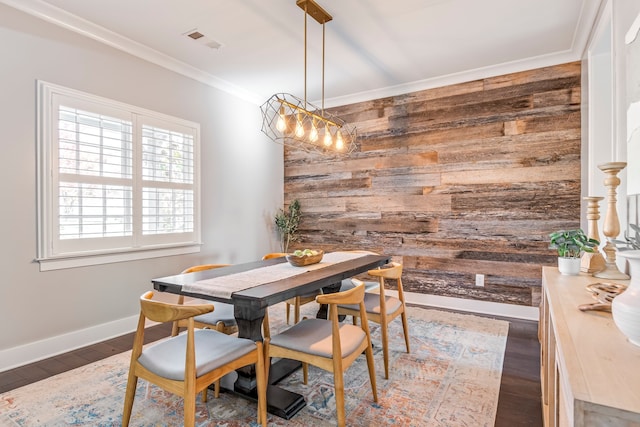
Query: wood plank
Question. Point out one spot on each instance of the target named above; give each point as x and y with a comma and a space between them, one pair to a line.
488, 268
319, 169
518, 175
408, 223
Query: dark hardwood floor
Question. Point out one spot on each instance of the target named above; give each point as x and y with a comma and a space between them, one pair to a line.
519, 402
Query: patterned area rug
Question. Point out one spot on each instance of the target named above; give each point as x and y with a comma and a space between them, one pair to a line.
451, 378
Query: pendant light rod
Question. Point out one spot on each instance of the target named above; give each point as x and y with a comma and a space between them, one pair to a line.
322, 106
314, 10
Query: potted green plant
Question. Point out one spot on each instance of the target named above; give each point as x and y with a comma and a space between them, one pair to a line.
570, 245
287, 225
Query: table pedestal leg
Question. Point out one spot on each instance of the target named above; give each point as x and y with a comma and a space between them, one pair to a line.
323, 310
280, 402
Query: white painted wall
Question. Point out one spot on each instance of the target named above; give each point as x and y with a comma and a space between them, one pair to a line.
44, 313
628, 18
604, 106
599, 90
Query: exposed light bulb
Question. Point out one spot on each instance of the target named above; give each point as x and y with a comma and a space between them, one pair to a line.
339, 141
313, 134
327, 137
299, 127
281, 125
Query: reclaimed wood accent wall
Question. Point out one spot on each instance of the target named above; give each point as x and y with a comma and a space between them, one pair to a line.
452, 182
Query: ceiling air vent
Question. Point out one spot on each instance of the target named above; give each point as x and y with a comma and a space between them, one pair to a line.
195, 35
202, 39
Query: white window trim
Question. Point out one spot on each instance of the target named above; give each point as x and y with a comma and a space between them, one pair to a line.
49, 260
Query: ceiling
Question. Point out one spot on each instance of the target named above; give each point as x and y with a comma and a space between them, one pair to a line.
374, 48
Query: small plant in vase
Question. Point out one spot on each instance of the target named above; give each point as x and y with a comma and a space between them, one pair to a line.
287, 225
570, 245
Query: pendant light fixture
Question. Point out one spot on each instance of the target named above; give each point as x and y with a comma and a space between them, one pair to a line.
289, 120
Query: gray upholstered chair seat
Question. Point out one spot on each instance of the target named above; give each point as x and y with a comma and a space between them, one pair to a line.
213, 350
372, 304
351, 283
222, 313
313, 336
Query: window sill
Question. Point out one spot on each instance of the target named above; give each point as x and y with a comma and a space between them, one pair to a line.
72, 262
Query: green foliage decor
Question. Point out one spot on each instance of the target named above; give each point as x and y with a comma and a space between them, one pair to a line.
287, 225
572, 243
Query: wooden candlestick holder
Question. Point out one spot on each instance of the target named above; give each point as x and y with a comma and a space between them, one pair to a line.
611, 227
592, 262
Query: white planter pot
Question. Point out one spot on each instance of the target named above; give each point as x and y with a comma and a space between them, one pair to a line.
625, 308
569, 266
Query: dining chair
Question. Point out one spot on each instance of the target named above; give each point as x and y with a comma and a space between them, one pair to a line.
381, 308
297, 301
221, 319
327, 344
188, 363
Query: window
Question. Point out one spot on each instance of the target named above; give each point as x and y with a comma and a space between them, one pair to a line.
116, 182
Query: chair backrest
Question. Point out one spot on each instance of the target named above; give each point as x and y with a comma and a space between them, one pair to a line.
348, 297
274, 255
394, 272
202, 267
159, 311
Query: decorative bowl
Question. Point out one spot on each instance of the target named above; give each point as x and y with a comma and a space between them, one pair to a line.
301, 261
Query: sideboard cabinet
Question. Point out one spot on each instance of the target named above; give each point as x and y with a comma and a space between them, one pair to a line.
590, 373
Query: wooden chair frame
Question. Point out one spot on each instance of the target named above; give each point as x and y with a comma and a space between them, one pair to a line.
383, 318
336, 364
189, 388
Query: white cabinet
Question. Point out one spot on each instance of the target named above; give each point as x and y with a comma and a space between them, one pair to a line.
590, 373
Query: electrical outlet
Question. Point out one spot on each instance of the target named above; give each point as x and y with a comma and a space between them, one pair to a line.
479, 279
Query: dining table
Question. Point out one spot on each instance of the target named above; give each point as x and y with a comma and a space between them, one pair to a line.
254, 286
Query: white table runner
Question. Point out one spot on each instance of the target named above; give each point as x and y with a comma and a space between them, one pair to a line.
224, 286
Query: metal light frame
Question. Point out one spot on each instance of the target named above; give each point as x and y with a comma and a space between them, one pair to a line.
291, 121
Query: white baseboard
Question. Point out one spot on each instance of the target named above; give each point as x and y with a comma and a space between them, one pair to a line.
473, 306
38, 350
